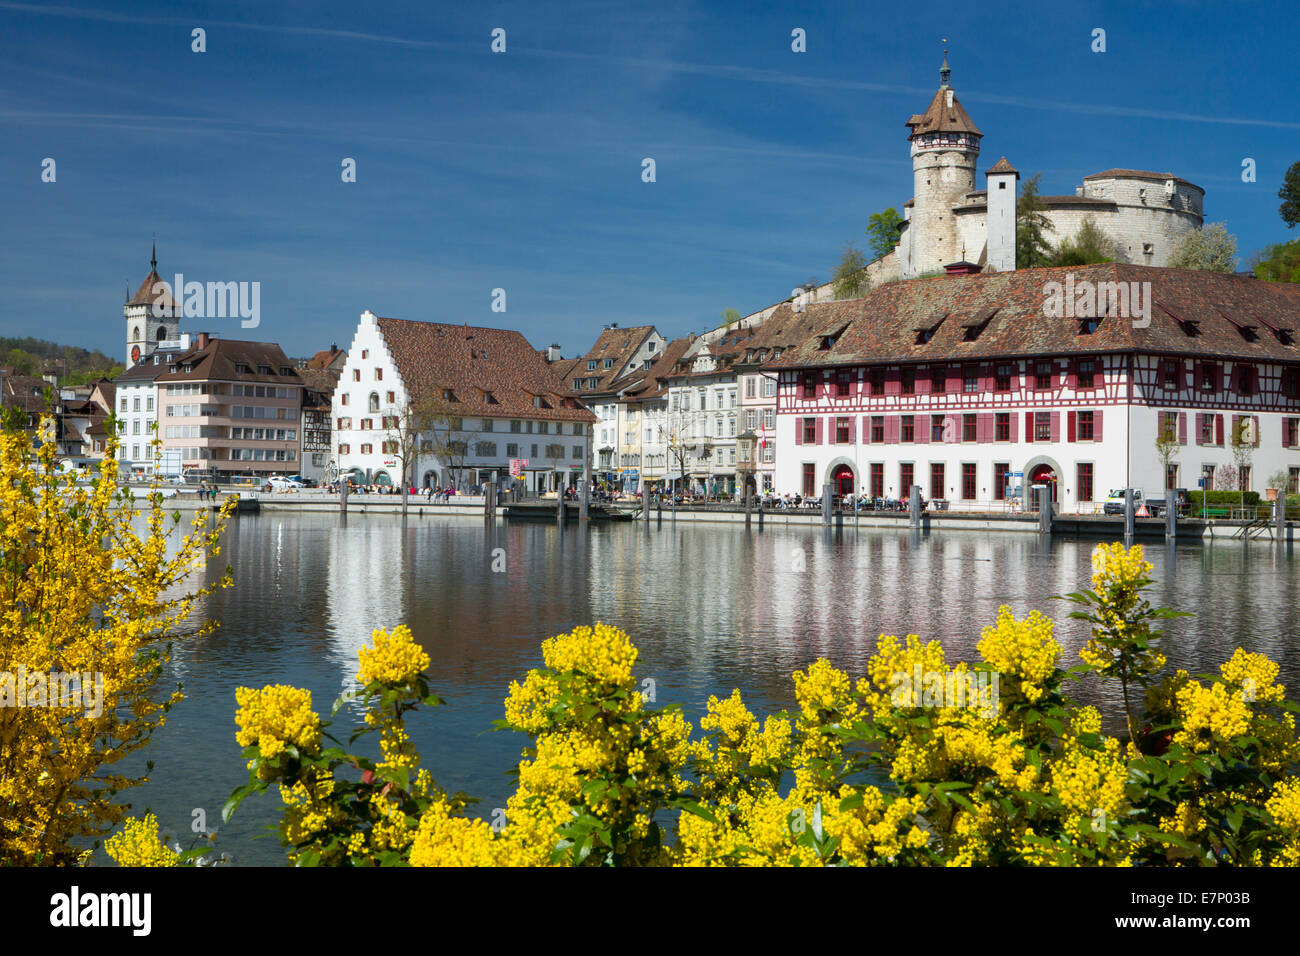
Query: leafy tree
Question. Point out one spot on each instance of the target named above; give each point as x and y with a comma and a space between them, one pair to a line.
1089, 246
1242, 445
1032, 224
729, 318
96, 584
882, 232
1167, 445
850, 276
1278, 263
1211, 249
1290, 196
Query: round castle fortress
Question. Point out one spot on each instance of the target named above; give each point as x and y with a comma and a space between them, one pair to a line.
951, 220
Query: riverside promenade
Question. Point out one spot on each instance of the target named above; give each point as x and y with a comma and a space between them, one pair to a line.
315, 501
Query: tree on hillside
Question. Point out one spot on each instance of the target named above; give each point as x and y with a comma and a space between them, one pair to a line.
1211, 248
850, 276
882, 232
1089, 246
1032, 224
1278, 263
1290, 196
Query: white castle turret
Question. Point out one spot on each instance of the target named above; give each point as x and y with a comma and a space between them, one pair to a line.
146, 325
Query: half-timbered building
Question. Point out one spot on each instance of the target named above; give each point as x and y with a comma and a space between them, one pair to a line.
971, 386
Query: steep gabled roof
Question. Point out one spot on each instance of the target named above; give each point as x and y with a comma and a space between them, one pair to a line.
493, 373
617, 345
1011, 307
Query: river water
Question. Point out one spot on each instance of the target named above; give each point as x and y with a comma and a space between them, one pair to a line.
710, 607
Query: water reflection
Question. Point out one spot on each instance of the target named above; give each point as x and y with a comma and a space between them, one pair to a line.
710, 607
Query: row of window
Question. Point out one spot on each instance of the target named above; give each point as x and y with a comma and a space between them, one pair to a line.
264, 434
263, 454
1208, 377
1083, 373
751, 386
968, 427
967, 487
135, 406
262, 411
941, 379
681, 400
263, 391
482, 449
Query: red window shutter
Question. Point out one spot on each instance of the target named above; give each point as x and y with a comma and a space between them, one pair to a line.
1097, 416
984, 427
893, 382
955, 383
852, 437
987, 380
1199, 419
818, 439
922, 385
1029, 426
1236, 423
1218, 429
1182, 428
1056, 426
891, 429
952, 428
1015, 426
866, 429
1072, 379
1235, 382
921, 429
798, 431
1160, 373
1069, 426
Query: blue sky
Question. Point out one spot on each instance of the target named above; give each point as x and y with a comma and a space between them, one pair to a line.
522, 170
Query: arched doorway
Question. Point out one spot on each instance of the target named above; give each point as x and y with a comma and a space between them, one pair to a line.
842, 479
1044, 475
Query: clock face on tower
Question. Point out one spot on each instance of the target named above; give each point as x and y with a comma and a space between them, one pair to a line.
135, 354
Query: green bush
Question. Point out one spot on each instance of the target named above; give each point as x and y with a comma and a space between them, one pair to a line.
1222, 499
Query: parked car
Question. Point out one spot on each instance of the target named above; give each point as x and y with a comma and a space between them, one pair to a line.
1115, 503
280, 483
304, 482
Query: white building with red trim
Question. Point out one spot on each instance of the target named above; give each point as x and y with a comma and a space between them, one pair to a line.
960, 383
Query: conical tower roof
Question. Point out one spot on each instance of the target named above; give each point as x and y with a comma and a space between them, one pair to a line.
148, 293
945, 114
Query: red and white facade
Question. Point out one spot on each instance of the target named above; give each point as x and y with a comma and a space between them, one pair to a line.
1082, 422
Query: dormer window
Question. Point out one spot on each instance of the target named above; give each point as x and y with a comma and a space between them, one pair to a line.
1088, 326
1190, 327
285, 370
264, 370
243, 369
449, 396
609, 363
591, 365
973, 329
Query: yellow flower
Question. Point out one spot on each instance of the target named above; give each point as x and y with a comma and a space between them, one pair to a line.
275, 717
137, 844
396, 658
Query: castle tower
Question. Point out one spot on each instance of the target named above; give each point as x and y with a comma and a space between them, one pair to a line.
152, 316
945, 147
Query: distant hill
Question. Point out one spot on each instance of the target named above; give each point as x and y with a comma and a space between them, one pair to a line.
73, 364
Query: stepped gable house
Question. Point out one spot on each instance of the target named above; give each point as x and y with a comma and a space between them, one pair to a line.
966, 387
501, 398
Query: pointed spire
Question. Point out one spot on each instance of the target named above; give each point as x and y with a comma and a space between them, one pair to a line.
153, 259
945, 74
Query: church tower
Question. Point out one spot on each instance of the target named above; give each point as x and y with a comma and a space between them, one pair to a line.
152, 316
945, 148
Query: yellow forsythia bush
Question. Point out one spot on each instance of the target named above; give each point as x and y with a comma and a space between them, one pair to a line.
916, 763
88, 605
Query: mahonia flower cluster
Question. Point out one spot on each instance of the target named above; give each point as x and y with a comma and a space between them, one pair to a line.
275, 717
137, 844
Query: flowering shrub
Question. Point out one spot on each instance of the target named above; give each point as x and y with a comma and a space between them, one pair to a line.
84, 594
862, 773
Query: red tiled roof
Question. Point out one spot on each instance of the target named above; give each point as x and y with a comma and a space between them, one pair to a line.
939, 117
145, 295
885, 322
654, 384
618, 345
217, 361
475, 362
